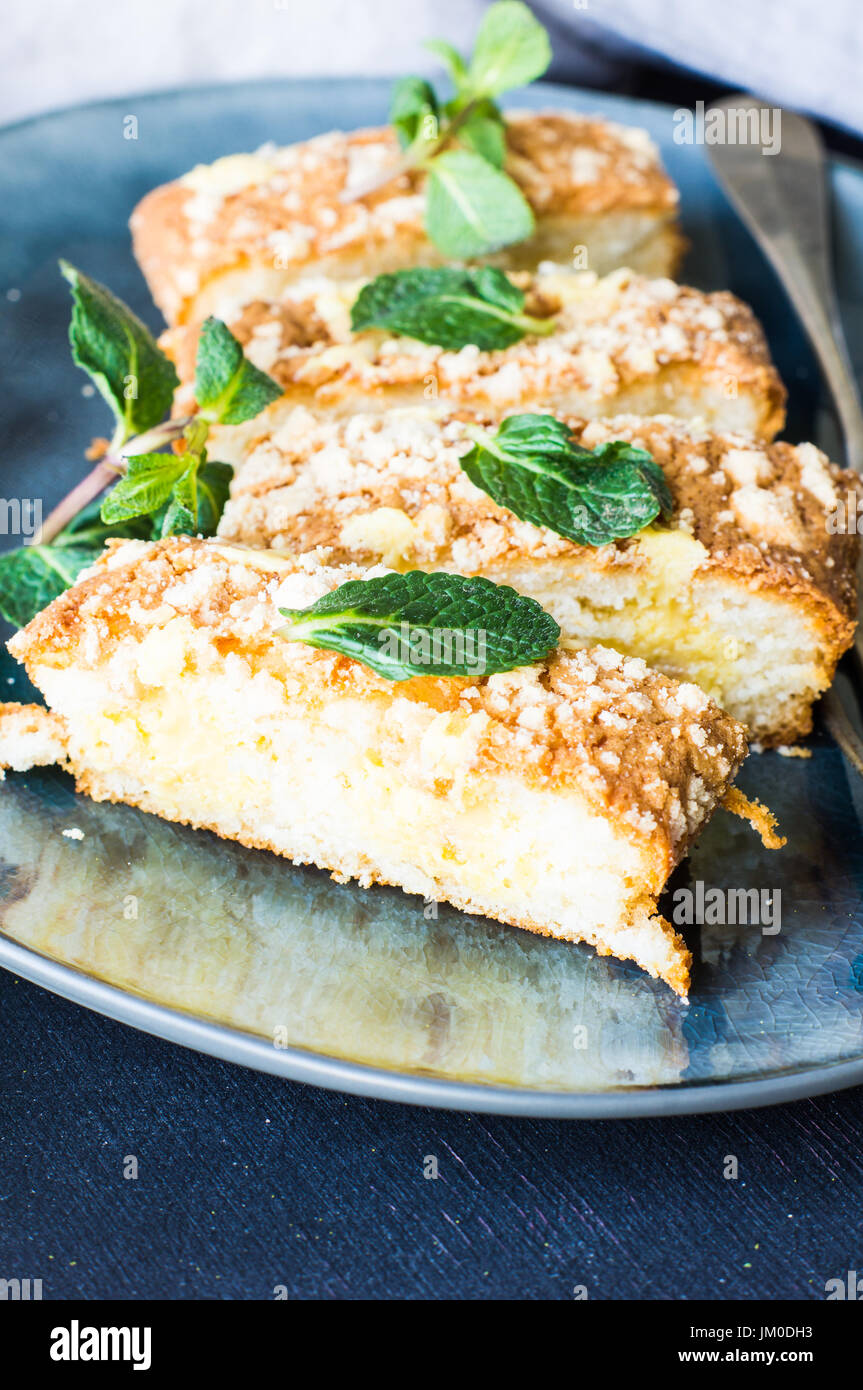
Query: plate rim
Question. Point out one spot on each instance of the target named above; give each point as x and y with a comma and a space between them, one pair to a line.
324, 1069
379, 1083
544, 88
382, 80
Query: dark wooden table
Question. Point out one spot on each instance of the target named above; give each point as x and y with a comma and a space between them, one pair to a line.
246, 1182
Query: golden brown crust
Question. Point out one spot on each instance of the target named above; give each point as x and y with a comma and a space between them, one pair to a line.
569, 163
753, 507
621, 333
759, 816
284, 206
652, 754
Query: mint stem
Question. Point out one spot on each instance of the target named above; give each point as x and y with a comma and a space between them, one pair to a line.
538, 328
155, 438
413, 158
107, 470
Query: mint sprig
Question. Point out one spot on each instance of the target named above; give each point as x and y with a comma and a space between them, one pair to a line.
160, 491
183, 492
532, 467
472, 206
120, 355
229, 389
418, 624
449, 308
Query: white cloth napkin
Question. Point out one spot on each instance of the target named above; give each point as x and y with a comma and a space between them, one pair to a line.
56, 52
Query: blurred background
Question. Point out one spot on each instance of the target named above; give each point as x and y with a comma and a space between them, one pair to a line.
808, 56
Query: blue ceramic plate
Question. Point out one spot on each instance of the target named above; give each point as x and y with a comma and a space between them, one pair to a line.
244, 956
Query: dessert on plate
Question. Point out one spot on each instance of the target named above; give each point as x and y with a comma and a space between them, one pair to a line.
557, 796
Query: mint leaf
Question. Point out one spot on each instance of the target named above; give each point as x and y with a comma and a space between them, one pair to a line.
147, 485
512, 48
177, 516
413, 102
497, 288
591, 497
179, 494
33, 575
197, 502
214, 483
183, 508
483, 132
527, 435
451, 59
418, 624
448, 307
473, 208
120, 355
228, 389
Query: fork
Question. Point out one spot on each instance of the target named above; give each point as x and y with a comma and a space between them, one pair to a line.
782, 199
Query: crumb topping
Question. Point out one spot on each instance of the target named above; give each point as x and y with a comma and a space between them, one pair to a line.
393, 485
609, 333
569, 163
654, 753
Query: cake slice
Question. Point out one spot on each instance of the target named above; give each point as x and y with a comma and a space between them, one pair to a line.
620, 344
749, 592
557, 797
254, 223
